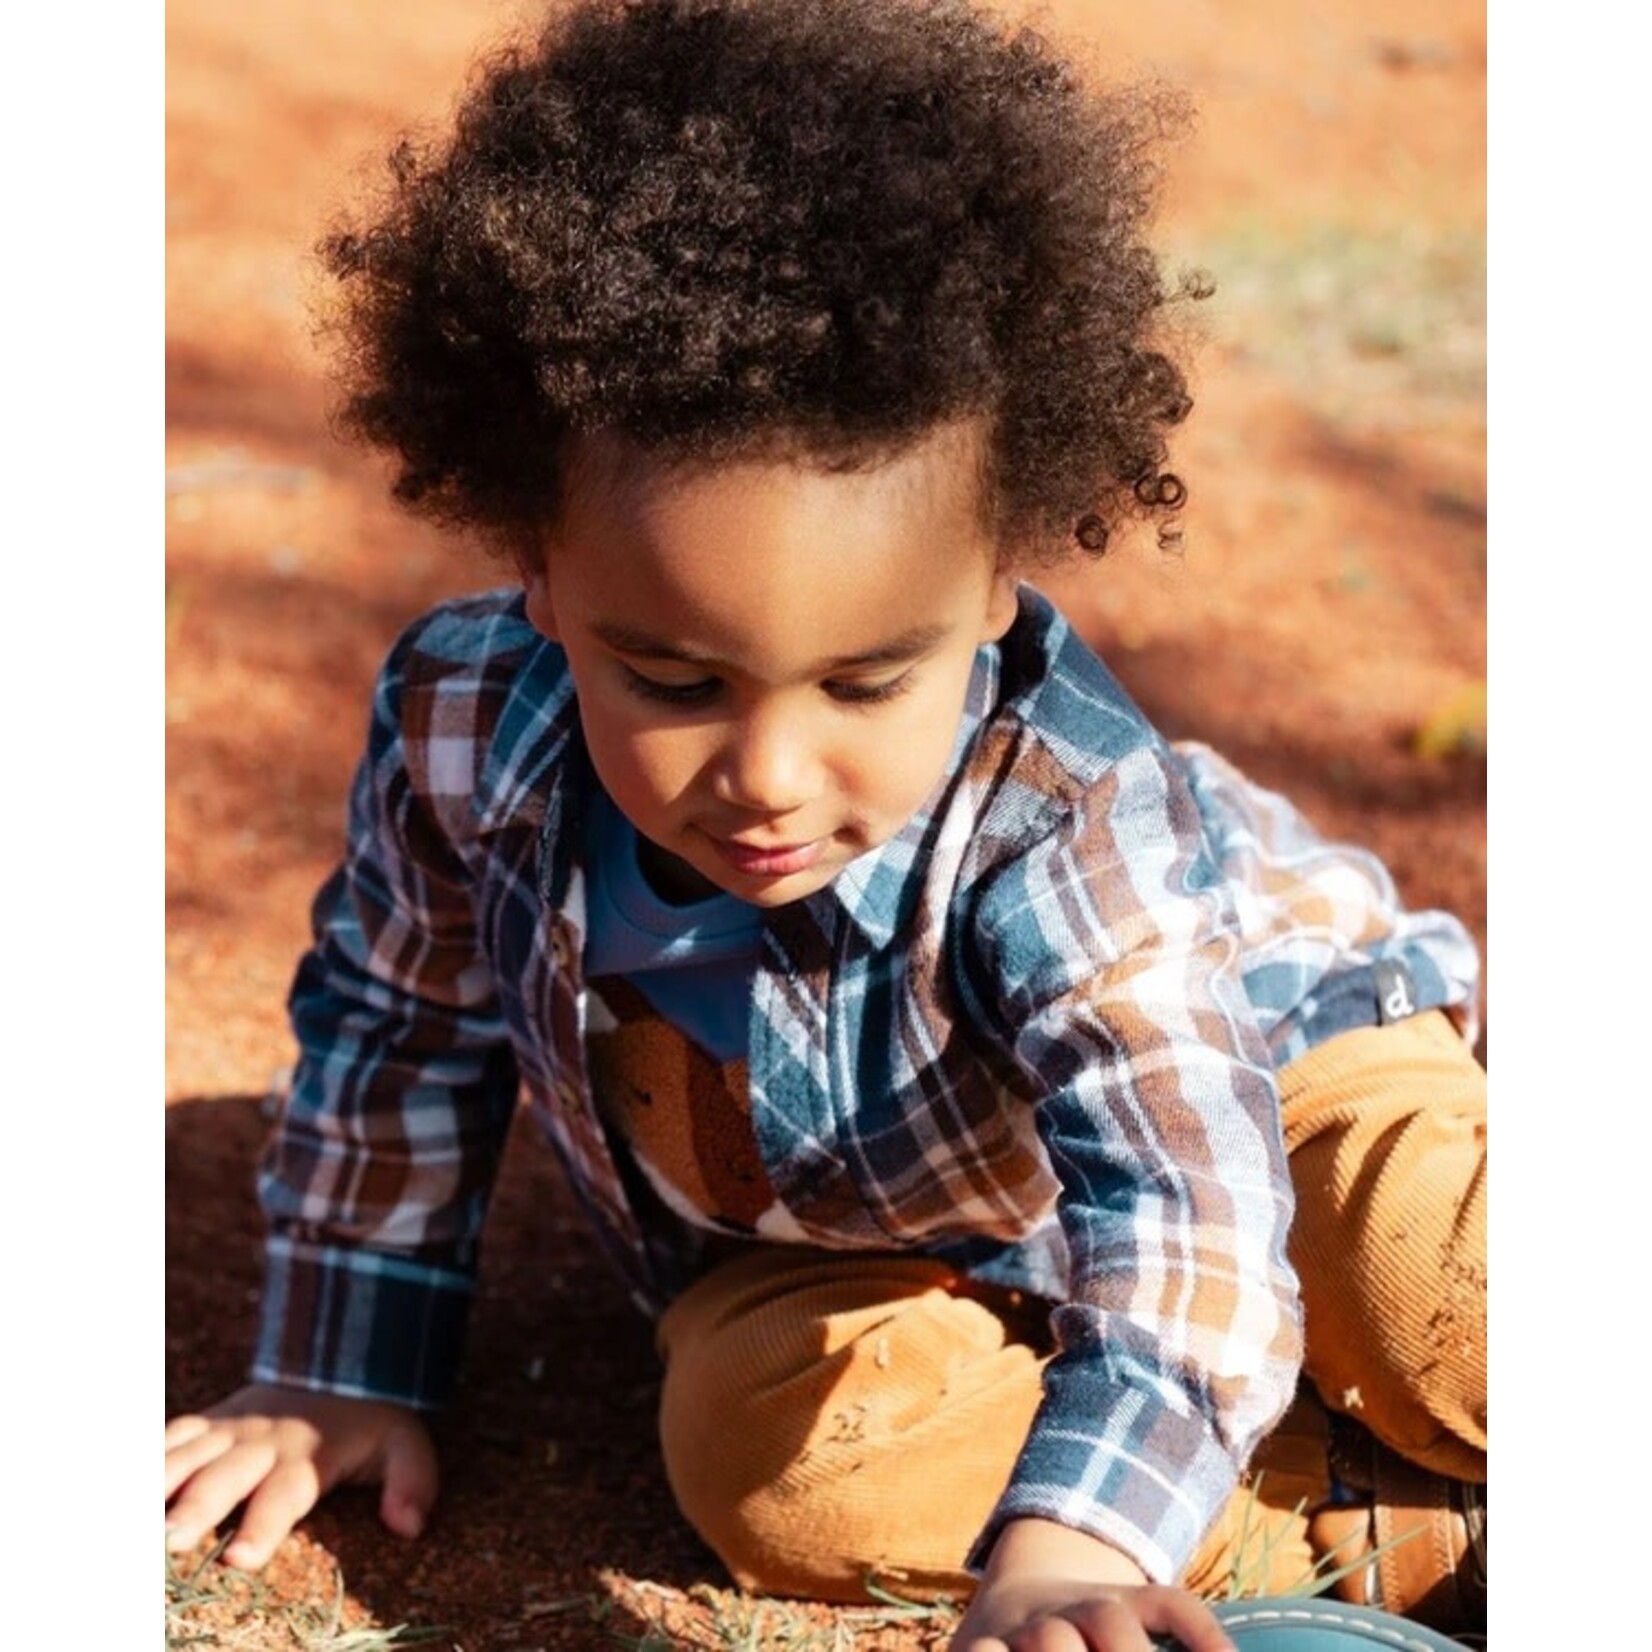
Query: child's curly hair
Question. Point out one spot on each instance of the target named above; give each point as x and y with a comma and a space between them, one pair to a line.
730, 226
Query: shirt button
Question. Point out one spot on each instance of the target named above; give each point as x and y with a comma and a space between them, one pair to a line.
568, 1094
562, 951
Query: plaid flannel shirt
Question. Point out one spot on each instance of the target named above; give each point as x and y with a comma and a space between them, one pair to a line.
1034, 1033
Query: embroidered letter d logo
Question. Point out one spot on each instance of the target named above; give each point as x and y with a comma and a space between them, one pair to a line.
1396, 992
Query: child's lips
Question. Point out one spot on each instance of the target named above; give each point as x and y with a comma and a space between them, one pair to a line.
766, 860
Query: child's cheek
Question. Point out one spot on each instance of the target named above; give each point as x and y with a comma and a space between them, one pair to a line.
895, 770
660, 764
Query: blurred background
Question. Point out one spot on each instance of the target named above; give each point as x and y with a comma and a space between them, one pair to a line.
1324, 624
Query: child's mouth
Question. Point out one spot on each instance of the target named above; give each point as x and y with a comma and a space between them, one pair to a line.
769, 860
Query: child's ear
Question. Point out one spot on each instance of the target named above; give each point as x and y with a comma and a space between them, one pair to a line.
536, 588
1003, 605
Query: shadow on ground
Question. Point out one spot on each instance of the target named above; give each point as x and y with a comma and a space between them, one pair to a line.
552, 1481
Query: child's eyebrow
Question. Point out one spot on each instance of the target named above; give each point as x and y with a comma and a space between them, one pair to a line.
907, 645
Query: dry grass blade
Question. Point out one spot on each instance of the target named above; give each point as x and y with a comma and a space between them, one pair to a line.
708, 1618
211, 1605
1327, 1573
892, 1607
1249, 1576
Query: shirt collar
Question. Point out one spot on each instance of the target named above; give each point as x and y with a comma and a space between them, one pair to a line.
536, 768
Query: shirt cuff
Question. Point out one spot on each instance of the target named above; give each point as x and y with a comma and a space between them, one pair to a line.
363, 1323
1149, 1481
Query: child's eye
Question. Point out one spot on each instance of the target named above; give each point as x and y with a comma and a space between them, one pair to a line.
869, 694
671, 694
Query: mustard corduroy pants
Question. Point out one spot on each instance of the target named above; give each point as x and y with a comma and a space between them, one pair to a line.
829, 1416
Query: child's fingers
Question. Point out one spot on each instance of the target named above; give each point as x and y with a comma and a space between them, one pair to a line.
213, 1490
282, 1498
276, 1453
1176, 1612
181, 1430
193, 1454
1105, 1625
410, 1481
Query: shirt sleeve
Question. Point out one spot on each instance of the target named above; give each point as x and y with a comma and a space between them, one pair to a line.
1115, 964
376, 1181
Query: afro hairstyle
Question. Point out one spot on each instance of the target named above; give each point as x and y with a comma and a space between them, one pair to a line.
814, 228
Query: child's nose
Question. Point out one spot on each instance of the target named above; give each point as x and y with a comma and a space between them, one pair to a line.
768, 765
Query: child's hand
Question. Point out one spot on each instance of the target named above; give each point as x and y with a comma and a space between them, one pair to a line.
1051, 1589
278, 1450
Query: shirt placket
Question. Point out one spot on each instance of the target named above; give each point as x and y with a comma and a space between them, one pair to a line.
566, 1104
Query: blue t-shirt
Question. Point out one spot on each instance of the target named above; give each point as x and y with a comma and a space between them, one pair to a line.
693, 962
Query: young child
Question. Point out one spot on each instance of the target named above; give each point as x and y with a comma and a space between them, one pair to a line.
923, 1035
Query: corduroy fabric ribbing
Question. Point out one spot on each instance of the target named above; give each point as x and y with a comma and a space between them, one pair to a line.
826, 1417
829, 1420
1386, 1132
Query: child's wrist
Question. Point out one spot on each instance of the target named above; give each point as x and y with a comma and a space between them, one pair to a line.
1028, 1546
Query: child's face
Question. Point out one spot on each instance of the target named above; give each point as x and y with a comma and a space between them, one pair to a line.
770, 659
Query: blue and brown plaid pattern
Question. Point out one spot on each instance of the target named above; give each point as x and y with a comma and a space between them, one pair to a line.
1034, 1033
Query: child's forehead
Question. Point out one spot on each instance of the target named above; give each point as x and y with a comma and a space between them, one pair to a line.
755, 557
946, 461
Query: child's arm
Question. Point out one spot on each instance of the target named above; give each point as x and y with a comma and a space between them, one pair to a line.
375, 1183
1043, 1574
1108, 961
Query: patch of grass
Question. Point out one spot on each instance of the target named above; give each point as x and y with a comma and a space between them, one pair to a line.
707, 1619
1363, 323
216, 1608
213, 1606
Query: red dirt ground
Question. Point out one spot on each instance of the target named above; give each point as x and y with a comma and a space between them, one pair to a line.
1325, 627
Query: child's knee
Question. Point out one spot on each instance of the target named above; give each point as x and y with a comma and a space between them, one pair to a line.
852, 1419
1386, 1129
